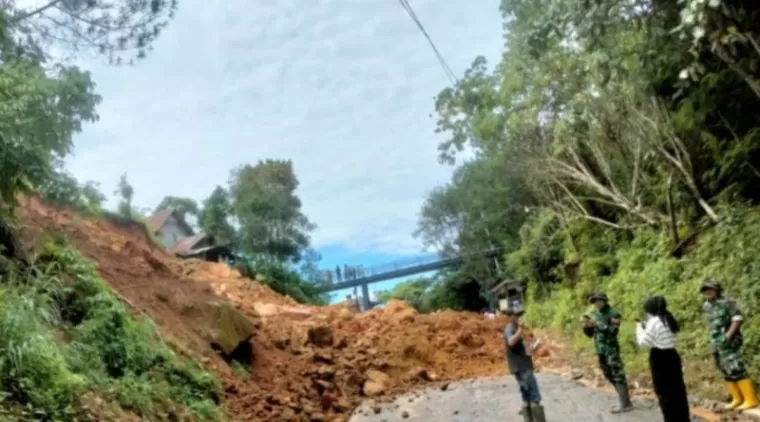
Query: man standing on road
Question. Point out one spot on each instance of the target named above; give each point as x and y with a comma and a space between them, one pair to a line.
724, 321
605, 323
520, 365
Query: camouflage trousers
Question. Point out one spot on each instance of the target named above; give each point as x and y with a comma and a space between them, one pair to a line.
730, 364
612, 367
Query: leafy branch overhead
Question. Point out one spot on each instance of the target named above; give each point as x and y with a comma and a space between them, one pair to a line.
587, 122
119, 30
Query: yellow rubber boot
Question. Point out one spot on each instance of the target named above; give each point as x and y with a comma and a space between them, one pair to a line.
747, 389
736, 395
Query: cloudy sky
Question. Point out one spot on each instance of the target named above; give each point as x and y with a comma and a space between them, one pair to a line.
344, 88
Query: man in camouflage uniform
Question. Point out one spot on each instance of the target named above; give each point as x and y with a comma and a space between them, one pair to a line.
724, 321
603, 325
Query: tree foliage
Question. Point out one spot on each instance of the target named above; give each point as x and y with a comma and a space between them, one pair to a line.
412, 292
42, 107
125, 192
610, 139
214, 217
119, 30
268, 210
64, 189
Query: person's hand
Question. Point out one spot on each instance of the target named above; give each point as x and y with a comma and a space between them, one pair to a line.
591, 323
728, 336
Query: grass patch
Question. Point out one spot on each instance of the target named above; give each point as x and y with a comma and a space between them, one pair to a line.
63, 333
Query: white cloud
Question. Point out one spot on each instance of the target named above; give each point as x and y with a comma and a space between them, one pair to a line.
342, 87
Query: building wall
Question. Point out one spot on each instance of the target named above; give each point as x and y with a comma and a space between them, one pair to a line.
172, 232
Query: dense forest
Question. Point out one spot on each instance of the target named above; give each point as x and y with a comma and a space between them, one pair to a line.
616, 145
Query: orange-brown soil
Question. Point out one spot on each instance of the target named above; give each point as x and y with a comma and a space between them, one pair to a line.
309, 363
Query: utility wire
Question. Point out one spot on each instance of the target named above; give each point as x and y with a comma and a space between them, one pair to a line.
454, 80
444, 65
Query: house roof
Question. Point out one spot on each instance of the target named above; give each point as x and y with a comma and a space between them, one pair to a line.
199, 251
157, 221
507, 284
186, 245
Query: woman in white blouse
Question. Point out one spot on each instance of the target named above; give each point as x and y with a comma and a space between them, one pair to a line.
658, 334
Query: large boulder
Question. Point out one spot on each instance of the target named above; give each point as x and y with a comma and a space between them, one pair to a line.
229, 330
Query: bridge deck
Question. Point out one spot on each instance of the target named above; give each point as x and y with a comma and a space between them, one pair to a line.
397, 270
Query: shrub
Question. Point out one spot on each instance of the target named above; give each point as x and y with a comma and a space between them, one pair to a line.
644, 266
63, 332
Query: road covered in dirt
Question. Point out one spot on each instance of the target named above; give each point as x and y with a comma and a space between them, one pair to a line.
497, 398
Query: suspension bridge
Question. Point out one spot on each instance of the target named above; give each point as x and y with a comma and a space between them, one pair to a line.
406, 268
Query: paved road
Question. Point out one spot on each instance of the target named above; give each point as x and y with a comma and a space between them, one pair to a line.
497, 399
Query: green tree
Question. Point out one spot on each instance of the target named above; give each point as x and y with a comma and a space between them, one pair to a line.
183, 206
43, 107
93, 196
64, 189
309, 266
126, 192
411, 291
586, 132
214, 217
265, 205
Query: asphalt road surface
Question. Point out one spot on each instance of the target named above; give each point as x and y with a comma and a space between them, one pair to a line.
497, 399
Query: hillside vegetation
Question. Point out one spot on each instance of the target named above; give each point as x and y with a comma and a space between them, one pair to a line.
70, 350
616, 147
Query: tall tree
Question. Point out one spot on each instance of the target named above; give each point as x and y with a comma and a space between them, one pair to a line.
265, 205
126, 192
44, 106
214, 217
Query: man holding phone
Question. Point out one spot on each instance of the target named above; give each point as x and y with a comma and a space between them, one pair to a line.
520, 364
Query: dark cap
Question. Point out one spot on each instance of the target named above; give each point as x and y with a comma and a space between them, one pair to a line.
711, 284
593, 297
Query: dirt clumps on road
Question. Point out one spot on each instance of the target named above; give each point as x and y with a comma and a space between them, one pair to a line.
302, 362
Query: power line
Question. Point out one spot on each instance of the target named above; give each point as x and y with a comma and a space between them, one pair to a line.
446, 69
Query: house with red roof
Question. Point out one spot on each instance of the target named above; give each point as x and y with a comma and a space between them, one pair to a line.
171, 229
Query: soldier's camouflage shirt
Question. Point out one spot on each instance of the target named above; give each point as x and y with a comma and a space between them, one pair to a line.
606, 333
720, 314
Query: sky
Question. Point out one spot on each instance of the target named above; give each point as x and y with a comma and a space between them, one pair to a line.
344, 88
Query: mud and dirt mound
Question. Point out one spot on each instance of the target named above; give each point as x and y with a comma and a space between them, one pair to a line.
307, 363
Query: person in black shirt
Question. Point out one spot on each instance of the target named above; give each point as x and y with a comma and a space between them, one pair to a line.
520, 365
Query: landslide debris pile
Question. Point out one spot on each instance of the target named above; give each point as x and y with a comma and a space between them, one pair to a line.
286, 362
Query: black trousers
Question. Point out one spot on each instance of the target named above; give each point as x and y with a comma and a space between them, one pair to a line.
667, 377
